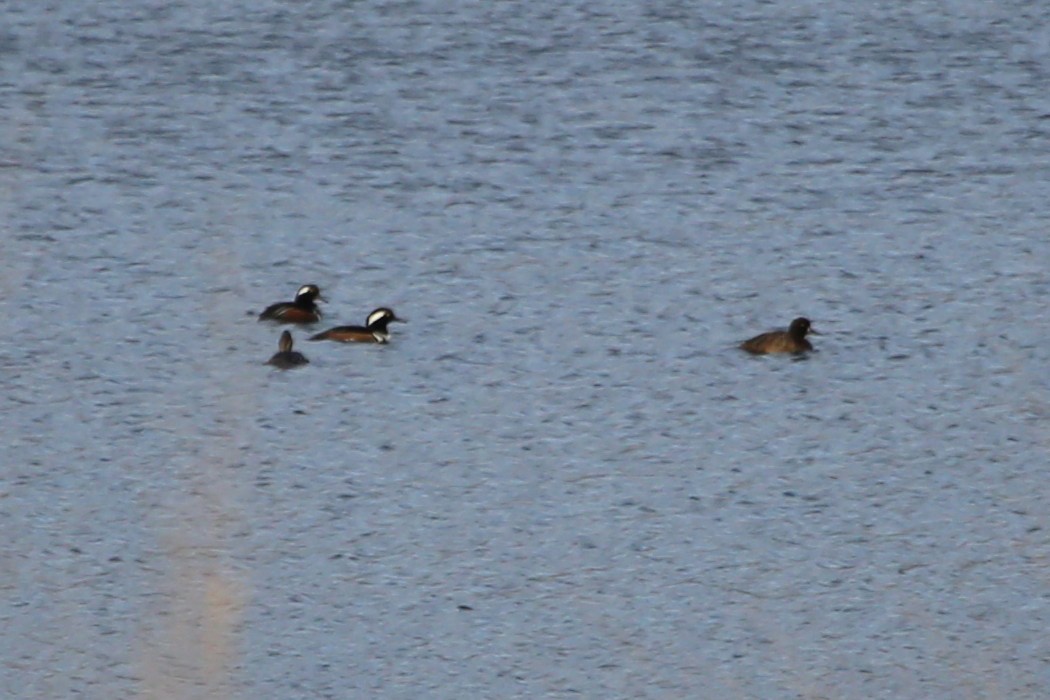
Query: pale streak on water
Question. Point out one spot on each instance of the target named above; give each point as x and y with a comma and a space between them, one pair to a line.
560, 479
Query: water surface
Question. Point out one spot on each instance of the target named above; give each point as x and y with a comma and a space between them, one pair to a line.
561, 479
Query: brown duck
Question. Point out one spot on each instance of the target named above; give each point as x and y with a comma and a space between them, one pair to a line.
286, 358
791, 340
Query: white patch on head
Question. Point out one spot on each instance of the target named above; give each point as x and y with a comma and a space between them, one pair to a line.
377, 315
305, 289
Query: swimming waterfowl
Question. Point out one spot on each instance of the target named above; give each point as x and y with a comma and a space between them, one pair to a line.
286, 358
374, 330
791, 340
303, 309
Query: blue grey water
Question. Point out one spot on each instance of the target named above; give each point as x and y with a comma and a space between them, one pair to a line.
561, 478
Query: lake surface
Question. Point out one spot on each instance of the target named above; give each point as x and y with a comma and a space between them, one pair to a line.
561, 478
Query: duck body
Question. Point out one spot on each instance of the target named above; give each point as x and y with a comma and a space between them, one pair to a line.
792, 340
374, 330
286, 358
302, 309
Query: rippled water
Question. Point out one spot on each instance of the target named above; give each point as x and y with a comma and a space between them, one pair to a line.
561, 478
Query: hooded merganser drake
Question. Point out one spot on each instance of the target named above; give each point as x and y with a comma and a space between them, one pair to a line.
791, 340
287, 358
374, 330
301, 310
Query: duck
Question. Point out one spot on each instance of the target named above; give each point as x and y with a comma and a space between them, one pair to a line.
302, 309
285, 357
374, 330
791, 340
